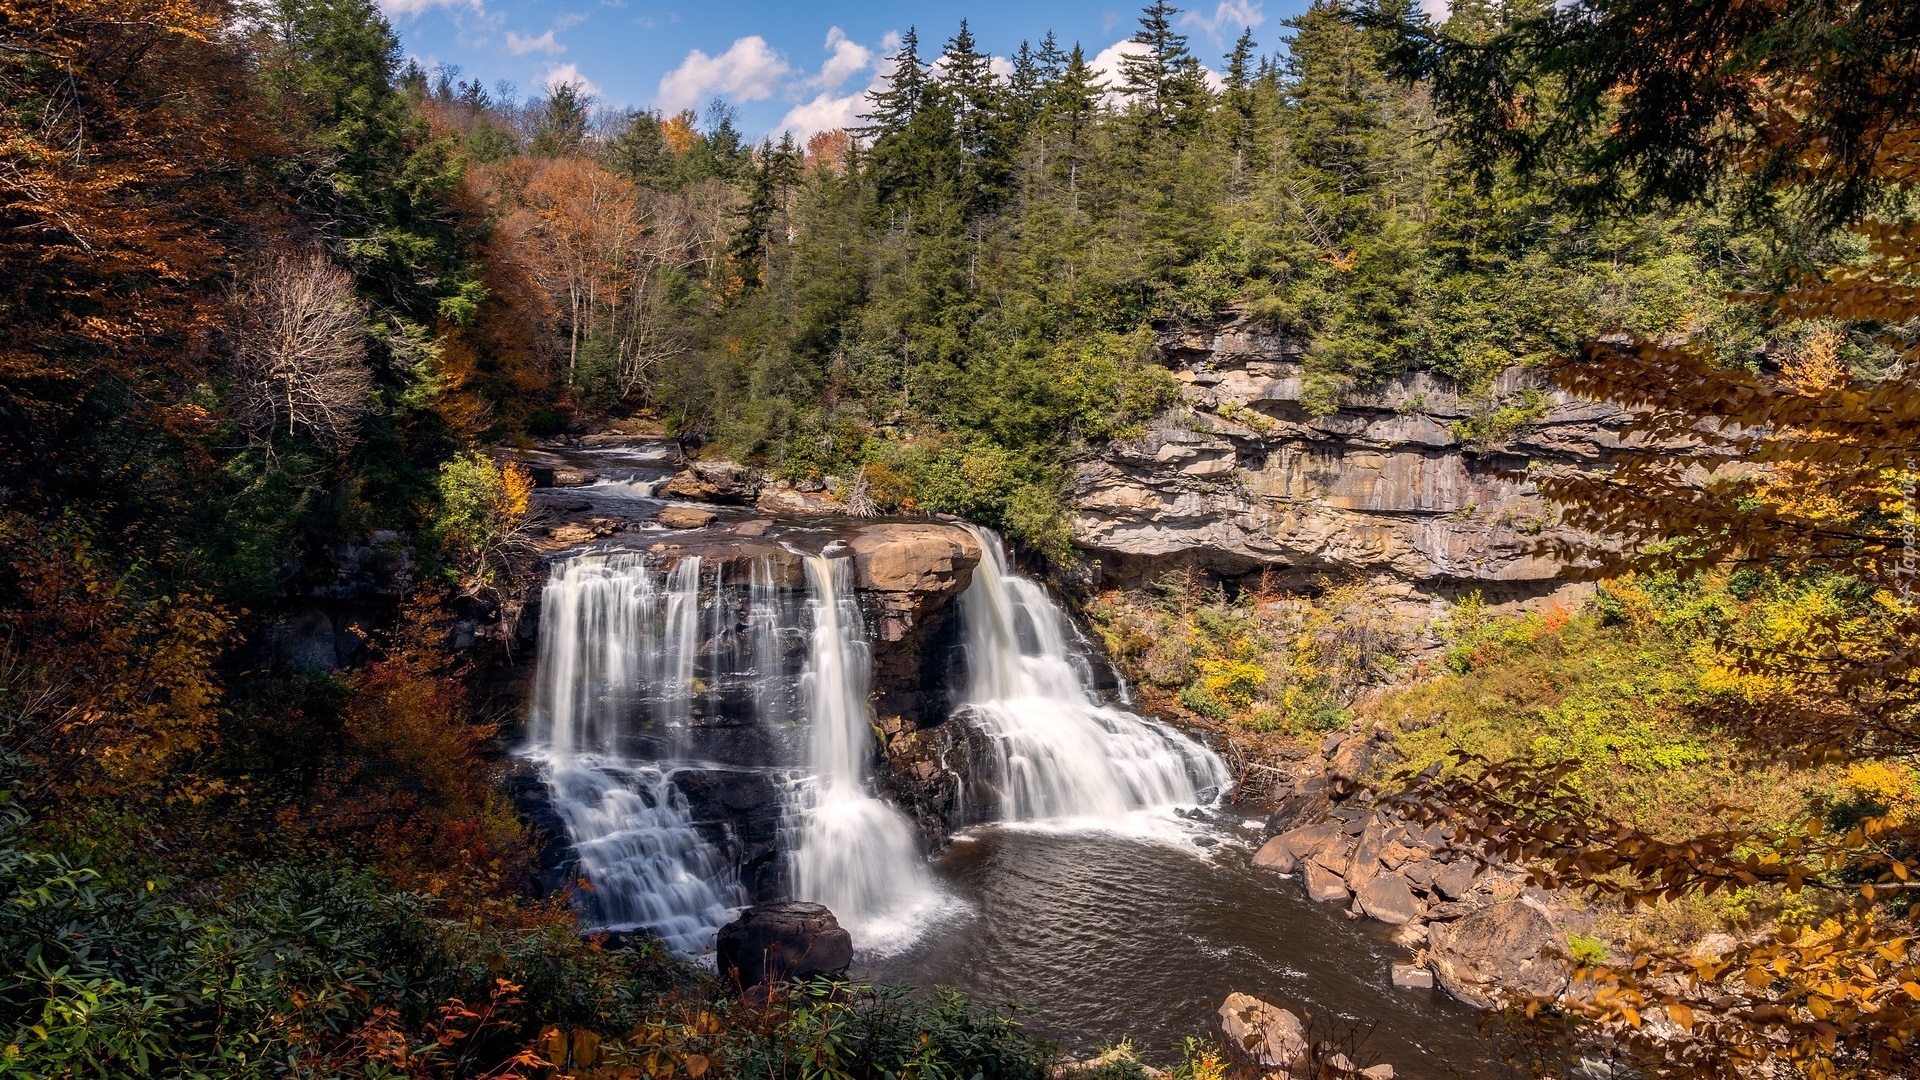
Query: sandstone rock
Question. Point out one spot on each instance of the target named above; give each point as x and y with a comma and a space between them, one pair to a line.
1323, 885
1506, 949
1314, 839
564, 477
1412, 977
1306, 801
1386, 897
914, 558
685, 517
714, 481
1382, 1071
571, 533
1271, 1037
1420, 873
1118, 1056
1399, 853
782, 940
1411, 936
1274, 855
1455, 880
1382, 486
786, 500
1367, 852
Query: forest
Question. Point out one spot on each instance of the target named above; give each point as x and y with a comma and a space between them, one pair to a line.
269, 291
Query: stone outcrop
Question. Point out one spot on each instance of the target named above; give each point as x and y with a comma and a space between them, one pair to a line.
1244, 478
1267, 1035
1509, 948
726, 482
781, 941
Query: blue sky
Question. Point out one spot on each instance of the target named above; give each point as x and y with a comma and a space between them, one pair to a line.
802, 67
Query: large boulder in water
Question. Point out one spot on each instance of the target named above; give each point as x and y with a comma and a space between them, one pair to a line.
781, 941
1270, 1036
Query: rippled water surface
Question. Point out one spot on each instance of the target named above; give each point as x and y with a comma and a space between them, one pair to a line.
1103, 936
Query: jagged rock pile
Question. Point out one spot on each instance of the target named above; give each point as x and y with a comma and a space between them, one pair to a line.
1475, 927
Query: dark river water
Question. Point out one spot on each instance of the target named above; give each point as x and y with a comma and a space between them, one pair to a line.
1100, 937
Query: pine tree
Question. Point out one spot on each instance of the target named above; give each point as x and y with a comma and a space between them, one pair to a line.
639, 151
896, 105
1164, 82
561, 127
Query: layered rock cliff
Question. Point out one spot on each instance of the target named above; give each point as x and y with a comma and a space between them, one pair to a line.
1242, 478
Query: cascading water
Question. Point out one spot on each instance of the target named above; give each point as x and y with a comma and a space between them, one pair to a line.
857, 853
615, 652
1058, 754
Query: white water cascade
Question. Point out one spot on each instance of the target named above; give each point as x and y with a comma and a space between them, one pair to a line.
1059, 755
857, 854
615, 647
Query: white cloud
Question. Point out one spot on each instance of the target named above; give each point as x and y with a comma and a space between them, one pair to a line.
521, 45
1228, 19
396, 9
748, 71
1001, 67
845, 59
567, 20
1437, 9
823, 113
1106, 67
569, 74
1106, 63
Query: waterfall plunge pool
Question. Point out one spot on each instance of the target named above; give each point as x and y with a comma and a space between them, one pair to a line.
1099, 936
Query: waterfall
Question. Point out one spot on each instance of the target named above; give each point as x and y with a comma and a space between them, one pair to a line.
1058, 753
857, 854
618, 647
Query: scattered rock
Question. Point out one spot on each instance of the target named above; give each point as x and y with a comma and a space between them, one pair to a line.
571, 533
1420, 872
1455, 881
1386, 897
1282, 853
1270, 1036
785, 500
563, 477
1411, 936
1274, 855
685, 517
714, 481
1382, 1071
1323, 885
1412, 977
1119, 1055
1509, 948
782, 940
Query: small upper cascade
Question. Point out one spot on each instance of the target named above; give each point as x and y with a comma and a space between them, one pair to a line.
857, 854
1058, 753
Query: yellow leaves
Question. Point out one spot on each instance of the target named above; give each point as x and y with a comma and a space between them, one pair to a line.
1681, 1015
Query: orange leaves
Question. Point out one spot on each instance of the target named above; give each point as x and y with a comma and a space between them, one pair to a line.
110, 687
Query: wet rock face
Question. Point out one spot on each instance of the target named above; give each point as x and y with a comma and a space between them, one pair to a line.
1245, 479
782, 940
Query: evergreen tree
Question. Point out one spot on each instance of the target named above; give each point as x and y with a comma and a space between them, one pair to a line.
639, 151
561, 127
1163, 81
896, 105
